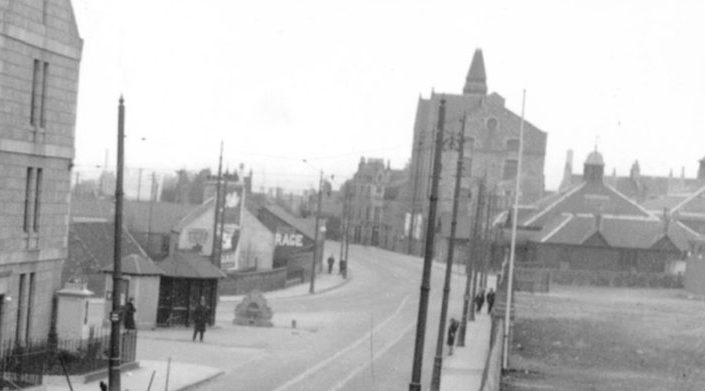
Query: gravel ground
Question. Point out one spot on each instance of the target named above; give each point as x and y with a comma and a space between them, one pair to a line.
585, 338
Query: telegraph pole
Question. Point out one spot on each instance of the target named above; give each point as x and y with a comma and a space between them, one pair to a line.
415, 384
114, 360
315, 235
410, 248
139, 184
216, 216
221, 230
153, 197
515, 217
438, 360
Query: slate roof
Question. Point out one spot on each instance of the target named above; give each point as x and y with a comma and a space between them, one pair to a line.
585, 198
617, 231
193, 214
189, 265
136, 214
91, 249
95, 240
136, 265
644, 187
305, 226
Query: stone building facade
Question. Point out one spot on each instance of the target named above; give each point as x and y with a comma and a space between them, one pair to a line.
40, 53
491, 135
366, 196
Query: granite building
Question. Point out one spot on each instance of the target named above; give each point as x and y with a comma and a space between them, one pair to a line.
491, 145
40, 53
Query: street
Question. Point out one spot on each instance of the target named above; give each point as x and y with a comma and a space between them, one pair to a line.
331, 348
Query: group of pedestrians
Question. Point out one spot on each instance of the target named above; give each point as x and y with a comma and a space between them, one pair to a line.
201, 315
341, 265
479, 301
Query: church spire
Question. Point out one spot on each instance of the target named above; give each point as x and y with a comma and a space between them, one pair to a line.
476, 81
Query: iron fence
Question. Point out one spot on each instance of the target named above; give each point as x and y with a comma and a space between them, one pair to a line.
24, 364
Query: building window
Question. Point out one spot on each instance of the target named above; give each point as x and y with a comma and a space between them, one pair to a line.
20, 306
30, 299
29, 181
38, 99
510, 169
42, 102
37, 199
35, 94
513, 145
492, 123
378, 215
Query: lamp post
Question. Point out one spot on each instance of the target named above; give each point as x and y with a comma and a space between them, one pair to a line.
510, 274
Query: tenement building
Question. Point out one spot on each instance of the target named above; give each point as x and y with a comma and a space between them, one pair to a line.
40, 53
491, 147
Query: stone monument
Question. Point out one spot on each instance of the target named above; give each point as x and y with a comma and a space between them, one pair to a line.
253, 311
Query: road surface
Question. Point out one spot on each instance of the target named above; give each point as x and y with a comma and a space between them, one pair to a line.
356, 337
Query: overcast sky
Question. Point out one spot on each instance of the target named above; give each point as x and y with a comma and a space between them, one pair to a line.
331, 81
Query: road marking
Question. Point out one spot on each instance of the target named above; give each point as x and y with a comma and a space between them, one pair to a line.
379, 354
350, 347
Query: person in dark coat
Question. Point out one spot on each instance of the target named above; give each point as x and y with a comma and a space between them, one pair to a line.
479, 300
331, 262
452, 329
490, 300
130, 314
200, 317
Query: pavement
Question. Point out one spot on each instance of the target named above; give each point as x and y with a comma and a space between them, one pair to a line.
463, 370
181, 377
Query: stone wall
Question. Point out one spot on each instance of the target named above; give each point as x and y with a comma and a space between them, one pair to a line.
242, 283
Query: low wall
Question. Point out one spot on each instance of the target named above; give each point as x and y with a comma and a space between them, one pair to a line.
492, 375
238, 283
616, 278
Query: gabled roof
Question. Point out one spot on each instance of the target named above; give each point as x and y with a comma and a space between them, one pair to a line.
91, 249
586, 198
305, 226
137, 265
139, 216
194, 214
189, 265
618, 231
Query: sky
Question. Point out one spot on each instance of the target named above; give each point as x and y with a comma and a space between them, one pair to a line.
332, 81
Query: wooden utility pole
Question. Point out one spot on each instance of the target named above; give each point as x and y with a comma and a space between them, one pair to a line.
114, 359
312, 288
152, 199
221, 228
410, 245
139, 184
415, 384
438, 360
215, 256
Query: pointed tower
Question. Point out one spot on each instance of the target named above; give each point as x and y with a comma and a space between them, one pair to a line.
476, 81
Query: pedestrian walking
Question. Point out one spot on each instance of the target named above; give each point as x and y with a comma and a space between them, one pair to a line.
331, 262
452, 329
200, 318
129, 314
479, 300
490, 300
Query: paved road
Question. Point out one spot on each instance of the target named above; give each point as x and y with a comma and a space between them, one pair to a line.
331, 348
